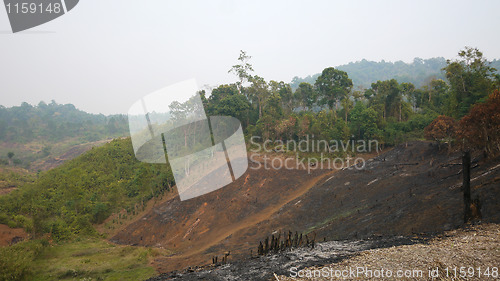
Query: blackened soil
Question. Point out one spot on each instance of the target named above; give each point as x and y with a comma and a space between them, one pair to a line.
264, 267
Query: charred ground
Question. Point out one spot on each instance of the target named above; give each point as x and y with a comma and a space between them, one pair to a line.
412, 189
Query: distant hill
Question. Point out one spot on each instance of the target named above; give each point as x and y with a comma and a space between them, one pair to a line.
56, 122
364, 73
44, 136
496, 64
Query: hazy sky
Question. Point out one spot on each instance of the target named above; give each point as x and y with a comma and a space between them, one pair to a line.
105, 54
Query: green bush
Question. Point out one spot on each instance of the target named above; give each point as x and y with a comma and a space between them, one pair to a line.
59, 230
4, 219
15, 261
24, 222
100, 213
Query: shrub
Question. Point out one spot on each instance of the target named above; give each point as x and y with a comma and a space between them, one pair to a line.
15, 261
100, 213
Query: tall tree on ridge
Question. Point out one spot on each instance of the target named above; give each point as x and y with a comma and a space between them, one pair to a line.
242, 70
333, 85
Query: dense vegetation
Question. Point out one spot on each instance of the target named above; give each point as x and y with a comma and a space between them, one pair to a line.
69, 199
61, 206
55, 122
81, 259
331, 109
13, 176
33, 135
16, 261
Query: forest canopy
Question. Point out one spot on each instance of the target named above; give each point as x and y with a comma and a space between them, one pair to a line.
330, 106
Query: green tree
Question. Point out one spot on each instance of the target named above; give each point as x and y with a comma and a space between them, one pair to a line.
221, 92
347, 105
305, 95
438, 89
363, 122
391, 98
471, 79
341, 131
273, 106
258, 92
321, 125
386, 94
286, 95
225, 100
333, 85
242, 70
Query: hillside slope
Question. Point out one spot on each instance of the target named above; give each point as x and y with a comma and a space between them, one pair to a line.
220, 221
67, 200
410, 189
44, 136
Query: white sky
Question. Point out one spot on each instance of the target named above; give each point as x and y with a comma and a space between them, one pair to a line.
105, 54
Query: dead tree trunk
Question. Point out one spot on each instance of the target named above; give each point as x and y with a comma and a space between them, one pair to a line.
466, 186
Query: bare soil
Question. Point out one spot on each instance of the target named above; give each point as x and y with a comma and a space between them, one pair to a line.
67, 153
412, 190
9, 236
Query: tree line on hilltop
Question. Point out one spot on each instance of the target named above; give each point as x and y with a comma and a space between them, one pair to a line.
331, 108
56, 122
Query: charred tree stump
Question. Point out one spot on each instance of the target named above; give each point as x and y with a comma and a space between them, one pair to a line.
260, 250
226, 255
266, 245
277, 243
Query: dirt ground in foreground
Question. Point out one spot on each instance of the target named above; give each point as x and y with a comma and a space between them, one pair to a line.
475, 248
